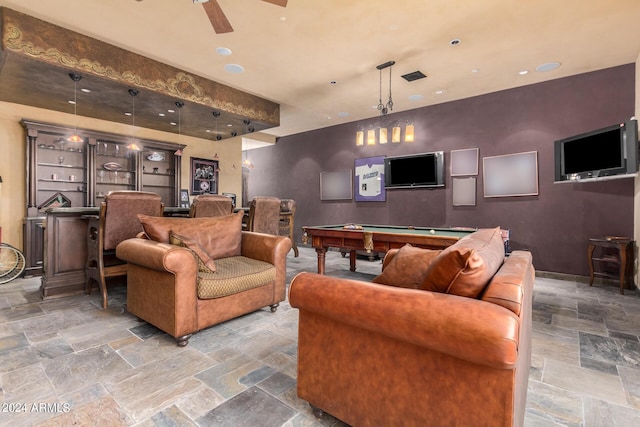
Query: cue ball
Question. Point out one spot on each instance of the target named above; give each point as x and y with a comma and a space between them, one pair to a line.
433, 231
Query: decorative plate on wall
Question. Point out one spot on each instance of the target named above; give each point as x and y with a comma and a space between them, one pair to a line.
155, 156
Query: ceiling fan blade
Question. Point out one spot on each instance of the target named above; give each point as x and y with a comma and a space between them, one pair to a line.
217, 17
282, 3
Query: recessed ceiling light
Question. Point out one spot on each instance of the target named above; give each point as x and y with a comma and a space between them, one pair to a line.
549, 66
439, 92
173, 123
171, 111
415, 97
224, 51
455, 42
127, 113
283, 18
229, 125
161, 114
234, 68
475, 70
523, 72
85, 90
71, 101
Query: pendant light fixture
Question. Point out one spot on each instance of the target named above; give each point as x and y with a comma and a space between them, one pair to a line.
179, 104
75, 137
132, 145
385, 108
216, 114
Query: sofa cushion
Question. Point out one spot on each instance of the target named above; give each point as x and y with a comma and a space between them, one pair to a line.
467, 266
219, 237
205, 262
408, 268
233, 275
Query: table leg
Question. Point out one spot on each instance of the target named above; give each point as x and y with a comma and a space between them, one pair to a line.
352, 260
321, 257
622, 248
590, 258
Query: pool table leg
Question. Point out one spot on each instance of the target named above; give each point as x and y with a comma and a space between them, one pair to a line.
321, 257
352, 260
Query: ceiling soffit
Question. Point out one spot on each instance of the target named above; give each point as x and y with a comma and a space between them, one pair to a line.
37, 56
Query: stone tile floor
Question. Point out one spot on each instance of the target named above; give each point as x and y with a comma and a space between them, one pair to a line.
67, 362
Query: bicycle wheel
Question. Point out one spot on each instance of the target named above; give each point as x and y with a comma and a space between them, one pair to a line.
11, 263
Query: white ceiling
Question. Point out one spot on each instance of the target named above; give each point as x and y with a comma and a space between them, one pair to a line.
290, 55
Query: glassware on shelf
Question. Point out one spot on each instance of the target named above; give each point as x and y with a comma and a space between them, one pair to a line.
101, 175
60, 160
117, 150
127, 177
105, 145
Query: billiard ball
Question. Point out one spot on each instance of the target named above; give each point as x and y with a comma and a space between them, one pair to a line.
432, 231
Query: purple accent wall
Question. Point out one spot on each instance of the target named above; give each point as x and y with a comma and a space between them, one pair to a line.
555, 225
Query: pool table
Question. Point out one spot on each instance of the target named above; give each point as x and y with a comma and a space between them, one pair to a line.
376, 238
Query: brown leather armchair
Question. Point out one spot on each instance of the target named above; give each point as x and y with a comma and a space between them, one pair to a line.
116, 222
210, 205
165, 287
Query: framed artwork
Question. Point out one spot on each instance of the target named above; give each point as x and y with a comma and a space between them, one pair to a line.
58, 200
369, 182
464, 162
184, 198
464, 191
204, 176
511, 175
336, 185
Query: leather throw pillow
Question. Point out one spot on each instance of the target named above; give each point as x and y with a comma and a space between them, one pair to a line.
466, 267
219, 237
408, 268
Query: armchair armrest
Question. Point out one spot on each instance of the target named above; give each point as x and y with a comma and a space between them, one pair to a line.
265, 247
157, 256
465, 328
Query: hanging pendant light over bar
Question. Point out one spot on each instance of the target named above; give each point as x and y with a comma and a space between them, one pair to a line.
179, 104
133, 146
75, 137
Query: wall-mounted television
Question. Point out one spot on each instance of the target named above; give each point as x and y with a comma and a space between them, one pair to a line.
608, 152
414, 171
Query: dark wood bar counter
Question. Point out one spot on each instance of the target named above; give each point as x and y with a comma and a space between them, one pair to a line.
65, 248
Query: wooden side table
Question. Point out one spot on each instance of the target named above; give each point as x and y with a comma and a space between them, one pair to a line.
622, 259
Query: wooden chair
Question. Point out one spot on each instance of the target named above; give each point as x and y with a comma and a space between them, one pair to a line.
117, 221
207, 205
264, 215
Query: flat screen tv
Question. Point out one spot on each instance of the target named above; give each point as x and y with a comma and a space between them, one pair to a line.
414, 171
606, 152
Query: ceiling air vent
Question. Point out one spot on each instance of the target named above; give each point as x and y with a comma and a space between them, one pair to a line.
416, 75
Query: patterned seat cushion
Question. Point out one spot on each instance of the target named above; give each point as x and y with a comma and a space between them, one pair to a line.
233, 274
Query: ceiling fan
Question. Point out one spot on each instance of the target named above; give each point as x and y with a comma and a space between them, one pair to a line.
217, 17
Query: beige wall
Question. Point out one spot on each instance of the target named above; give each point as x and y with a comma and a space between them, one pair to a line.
13, 163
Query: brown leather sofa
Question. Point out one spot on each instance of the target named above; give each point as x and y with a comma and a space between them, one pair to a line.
180, 292
372, 354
